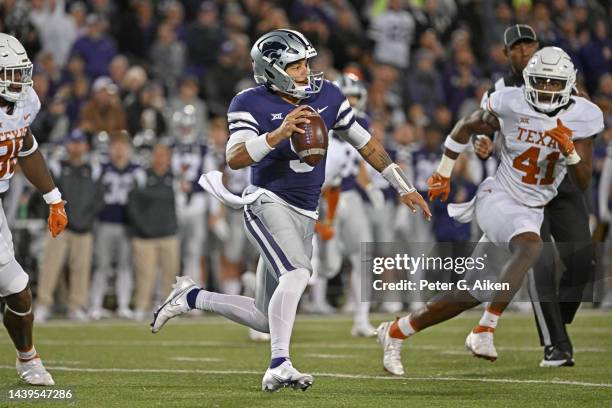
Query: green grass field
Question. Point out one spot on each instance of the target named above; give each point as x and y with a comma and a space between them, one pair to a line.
208, 362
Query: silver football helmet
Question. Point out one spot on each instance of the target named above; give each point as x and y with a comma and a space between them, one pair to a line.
15, 69
273, 52
350, 85
184, 121
549, 65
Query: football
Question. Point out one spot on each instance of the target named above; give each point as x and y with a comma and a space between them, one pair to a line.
311, 146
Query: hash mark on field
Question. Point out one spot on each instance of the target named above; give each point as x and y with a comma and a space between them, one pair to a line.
338, 356
198, 359
330, 375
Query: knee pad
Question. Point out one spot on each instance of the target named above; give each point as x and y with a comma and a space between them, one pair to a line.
13, 278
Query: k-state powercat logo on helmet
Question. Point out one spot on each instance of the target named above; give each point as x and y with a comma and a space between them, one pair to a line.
273, 47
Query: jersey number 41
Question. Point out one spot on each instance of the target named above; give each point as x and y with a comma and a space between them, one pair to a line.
528, 162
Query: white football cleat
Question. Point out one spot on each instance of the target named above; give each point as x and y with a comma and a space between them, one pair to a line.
33, 372
285, 375
175, 304
258, 336
363, 330
392, 359
481, 345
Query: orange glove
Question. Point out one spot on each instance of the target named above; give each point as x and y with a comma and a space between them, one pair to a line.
326, 231
331, 196
563, 136
58, 219
438, 186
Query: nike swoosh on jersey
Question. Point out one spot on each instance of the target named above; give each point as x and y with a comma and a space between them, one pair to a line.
321, 110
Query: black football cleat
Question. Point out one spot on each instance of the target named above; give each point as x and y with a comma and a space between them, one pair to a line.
555, 357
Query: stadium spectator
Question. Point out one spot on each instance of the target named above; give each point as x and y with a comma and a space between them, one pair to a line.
203, 38
117, 71
188, 95
220, 82
596, 56
145, 120
56, 28
460, 79
104, 111
393, 33
79, 180
112, 245
168, 56
138, 31
425, 84
95, 46
155, 242
77, 96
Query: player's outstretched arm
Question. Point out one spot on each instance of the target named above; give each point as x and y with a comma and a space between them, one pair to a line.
36, 171
374, 153
478, 122
244, 154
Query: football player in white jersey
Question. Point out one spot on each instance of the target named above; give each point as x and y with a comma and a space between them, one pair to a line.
546, 132
19, 105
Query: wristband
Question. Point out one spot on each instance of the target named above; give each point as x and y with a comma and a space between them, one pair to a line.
258, 147
573, 158
53, 197
452, 144
445, 168
396, 177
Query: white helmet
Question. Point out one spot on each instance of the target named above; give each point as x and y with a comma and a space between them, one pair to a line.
546, 65
15, 69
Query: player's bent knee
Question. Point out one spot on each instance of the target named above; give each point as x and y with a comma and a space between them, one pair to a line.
13, 279
528, 244
298, 278
20, 303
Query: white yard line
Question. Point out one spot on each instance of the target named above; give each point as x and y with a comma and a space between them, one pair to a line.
329, 375
198, 359
331, 356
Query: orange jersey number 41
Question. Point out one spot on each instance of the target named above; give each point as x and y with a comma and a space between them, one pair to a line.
527, 162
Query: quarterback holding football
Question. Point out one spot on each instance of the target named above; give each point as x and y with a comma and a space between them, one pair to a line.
280, 205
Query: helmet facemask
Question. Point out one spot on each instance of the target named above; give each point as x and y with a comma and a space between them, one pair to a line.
14, 81
539, 95
549, 78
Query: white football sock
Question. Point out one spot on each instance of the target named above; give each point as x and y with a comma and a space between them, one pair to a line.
283, 307
488, 319
240, 309
27, 355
